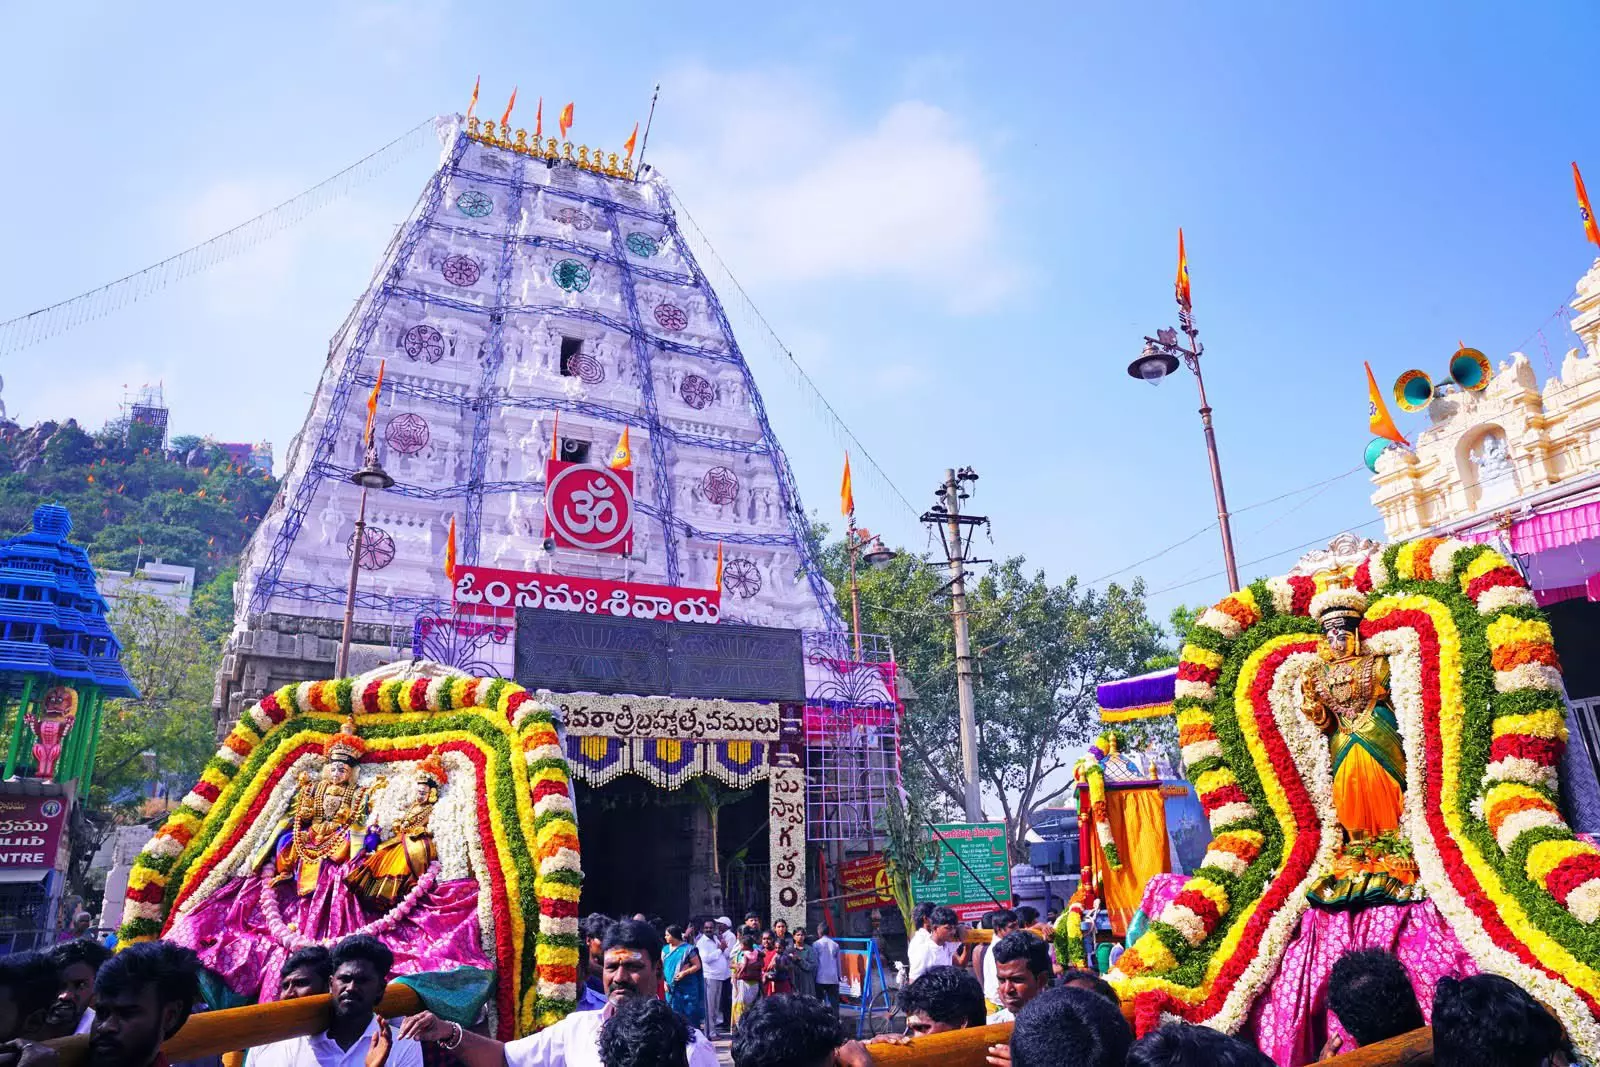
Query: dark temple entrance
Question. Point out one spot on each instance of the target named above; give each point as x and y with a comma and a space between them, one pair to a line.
647, 849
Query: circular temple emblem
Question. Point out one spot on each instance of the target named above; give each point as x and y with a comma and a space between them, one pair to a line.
696, 391
589, 507
720, 485
740, 578
590, 371
407, 433
642, 244
671, 316
424, 342
474, 204
571, 275
571, 216
377, 548
460, 270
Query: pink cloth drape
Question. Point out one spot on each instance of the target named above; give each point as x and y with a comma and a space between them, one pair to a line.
1291, 1021
1550, 529
230, 935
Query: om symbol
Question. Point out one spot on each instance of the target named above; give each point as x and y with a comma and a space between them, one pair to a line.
594, 509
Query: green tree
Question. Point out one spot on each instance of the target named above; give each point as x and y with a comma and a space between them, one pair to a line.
1039, 651
162, 737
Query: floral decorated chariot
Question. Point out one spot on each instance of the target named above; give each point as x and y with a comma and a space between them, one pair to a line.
433, 812
1376, 746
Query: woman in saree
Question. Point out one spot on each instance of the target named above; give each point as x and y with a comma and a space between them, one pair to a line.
686, 989
746, 976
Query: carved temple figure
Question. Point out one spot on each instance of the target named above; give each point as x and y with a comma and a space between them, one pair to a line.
1346, 696
60, 709
386, 872
319, 825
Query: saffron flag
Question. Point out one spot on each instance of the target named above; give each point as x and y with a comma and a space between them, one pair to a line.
450, 552
622, 458
505, 120
566, 120
1378, 420
473, 103
847, 495
1181, 287
555, 437
719, 566
633, 139
1590, 230
538, 120
372, 404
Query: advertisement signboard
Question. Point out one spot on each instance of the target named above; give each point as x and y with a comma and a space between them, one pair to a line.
30, 831
972, 872
866, 883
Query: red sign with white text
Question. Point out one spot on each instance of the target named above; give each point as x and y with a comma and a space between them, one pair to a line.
588, 507
489, 591
30, 831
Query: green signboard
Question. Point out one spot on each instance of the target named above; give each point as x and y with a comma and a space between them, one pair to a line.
973, 869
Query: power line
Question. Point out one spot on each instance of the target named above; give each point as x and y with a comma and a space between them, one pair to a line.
46, 322
1271, 555
802, 378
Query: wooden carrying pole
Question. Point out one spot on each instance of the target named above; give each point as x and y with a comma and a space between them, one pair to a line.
213, 1033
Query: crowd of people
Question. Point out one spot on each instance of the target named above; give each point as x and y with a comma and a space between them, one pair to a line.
653, 997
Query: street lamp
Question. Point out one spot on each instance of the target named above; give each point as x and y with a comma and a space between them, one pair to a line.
370, 476
1158, 359
868, 548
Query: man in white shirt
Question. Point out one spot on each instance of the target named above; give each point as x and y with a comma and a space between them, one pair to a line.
361, 966
76, 962
827, 976
714, 965
1022, 962
632, 968
1002, 922
941, 945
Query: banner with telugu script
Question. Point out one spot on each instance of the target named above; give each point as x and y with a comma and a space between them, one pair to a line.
490, 591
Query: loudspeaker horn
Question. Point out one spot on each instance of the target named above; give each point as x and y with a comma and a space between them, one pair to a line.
1470, 369
1413, 390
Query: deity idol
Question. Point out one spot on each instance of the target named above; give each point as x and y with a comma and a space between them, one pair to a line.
60, 709
1346, 696
386, 872
321, 816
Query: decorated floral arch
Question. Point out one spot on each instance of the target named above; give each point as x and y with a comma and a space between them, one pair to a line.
510, 820
1477, 693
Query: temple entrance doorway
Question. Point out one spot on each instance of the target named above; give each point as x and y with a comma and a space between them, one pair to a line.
648, 850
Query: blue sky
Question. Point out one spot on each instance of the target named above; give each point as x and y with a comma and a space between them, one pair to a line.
961, 222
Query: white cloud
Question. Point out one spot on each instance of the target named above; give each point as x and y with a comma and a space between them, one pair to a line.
790, 188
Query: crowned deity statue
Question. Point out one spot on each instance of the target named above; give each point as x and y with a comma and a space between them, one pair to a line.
1346, 696
60, 709
387, 871
321, 816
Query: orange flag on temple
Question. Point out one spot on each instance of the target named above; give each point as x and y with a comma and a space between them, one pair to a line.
566, 120
633, 139
719, 566
622, 458
1185, 298
555, 437
847, 495
473, 103
538, 120
1378, 420
450, 552
372, 405
505, 120
1590, 230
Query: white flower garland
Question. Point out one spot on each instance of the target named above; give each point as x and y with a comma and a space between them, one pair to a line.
1405, 689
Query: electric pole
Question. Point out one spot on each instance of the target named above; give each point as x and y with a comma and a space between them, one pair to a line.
955, 533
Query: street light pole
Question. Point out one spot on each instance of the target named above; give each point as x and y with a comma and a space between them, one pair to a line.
370, 476
1160, 358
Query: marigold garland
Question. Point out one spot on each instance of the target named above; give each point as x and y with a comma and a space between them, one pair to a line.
525, 815
1477, 689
